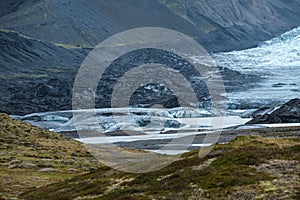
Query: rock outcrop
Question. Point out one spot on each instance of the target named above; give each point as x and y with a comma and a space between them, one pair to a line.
287, 113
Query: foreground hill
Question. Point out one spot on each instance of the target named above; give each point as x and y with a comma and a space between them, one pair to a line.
44, 165
249, 167
219, 25
31, 157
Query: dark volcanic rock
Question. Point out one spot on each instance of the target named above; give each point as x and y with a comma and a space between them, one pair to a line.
151, 94
35, 76
20, 55
13, 5
38, 77
287, 113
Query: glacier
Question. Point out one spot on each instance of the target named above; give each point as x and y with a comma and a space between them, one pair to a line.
277, 61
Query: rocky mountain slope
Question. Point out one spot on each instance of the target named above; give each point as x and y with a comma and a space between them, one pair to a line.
13, 6
237, 24
86, 23
31, 157
40, 57
38, 76
32, 69
218, 25
19, 51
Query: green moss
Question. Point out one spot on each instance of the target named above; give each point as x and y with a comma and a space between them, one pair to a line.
295, 148
176, 6
226, 177
236, 157
12, 31
30, 76
6, 30
4, 76
23, 76
268, 186
207, 28
68, 46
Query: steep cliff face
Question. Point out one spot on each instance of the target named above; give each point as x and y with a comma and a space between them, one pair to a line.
218, 25
237, 24
236, 12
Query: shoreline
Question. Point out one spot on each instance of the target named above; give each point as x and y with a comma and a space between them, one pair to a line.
157, 144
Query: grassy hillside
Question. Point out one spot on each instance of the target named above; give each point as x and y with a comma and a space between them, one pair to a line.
250, 167
38, 164
31, 157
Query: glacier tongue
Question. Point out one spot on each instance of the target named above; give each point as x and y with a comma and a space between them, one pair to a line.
277, 60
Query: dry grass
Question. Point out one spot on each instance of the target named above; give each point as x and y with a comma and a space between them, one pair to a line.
25, 149
238, 170
249, 167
